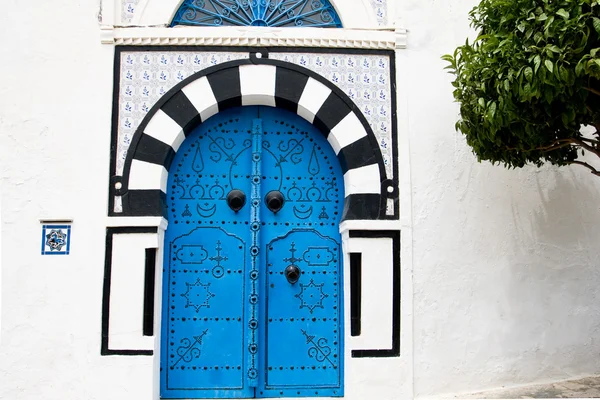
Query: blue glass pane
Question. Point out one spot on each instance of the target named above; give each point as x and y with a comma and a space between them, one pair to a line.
272, 13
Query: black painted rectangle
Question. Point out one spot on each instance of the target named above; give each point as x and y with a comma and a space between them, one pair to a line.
362, 206
357, 154
149, 281
289, 86
396, 294
182, 111
144, 202
355, 293
104, 343
152, 150
226, 87
333, 110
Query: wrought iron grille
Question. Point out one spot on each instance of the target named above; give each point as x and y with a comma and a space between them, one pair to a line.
271, 13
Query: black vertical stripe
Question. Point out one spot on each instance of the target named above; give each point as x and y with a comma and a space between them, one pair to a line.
149, 281
154, 151
357, 154
289, 86
355, 293
182, 111
333, 110
226, 87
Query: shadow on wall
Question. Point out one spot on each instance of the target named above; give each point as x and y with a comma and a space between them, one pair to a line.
553, 310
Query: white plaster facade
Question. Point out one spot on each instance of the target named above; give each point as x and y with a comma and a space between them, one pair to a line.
499, 268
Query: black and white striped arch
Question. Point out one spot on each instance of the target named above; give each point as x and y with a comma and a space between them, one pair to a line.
256, 81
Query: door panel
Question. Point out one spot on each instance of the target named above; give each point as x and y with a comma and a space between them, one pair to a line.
302, 329
204, 351
234, 324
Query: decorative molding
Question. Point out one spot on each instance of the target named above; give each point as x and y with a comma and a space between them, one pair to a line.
401, 38
107, 34
238, 36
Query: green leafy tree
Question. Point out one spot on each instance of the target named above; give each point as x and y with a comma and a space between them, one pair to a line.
529, 81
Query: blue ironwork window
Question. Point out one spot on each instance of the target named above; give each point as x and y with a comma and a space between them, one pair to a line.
272, 13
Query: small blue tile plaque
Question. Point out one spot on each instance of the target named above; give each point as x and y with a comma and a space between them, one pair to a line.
56, 239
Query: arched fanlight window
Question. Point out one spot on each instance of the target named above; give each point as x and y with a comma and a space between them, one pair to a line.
271, 13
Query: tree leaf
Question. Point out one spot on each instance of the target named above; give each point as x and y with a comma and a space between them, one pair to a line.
549, 65
563, 13
596, 22
537, 62
528, 72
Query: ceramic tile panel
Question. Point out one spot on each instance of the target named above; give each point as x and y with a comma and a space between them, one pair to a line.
381, 11
128, 8
366, 80
146, 77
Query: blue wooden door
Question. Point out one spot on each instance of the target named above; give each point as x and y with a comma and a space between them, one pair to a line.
252, 284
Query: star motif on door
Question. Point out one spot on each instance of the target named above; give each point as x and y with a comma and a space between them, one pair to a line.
311, 295
197, 295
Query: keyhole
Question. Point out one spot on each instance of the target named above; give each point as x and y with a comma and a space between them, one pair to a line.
274, 200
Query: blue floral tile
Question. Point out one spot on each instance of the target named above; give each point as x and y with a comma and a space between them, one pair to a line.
56, 239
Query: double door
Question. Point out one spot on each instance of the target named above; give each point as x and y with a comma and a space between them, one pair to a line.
252, 279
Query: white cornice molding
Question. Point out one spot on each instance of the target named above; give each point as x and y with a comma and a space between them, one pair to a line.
249, 36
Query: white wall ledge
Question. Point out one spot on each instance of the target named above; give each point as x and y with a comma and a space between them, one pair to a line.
249, 36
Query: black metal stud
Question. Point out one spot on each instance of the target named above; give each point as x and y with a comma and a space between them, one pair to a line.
274, 200
236, 199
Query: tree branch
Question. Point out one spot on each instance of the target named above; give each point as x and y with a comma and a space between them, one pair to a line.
588, 166
592, 90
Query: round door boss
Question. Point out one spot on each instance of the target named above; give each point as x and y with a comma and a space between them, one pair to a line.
274, 200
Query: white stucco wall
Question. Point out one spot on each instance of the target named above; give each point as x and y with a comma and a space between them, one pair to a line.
502, 264
55, 102
505, 263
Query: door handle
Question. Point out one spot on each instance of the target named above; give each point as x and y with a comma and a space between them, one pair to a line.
274, 200
292, 274
236, 199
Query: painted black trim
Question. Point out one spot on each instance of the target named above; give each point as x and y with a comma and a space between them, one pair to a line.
154, 151
395, 350
114, 134
355, 293
250, 49
289, 86
362, 206
149, 203
104, 344
149, 283
356, 155
182, 111
226, 86
333, 110
394, 117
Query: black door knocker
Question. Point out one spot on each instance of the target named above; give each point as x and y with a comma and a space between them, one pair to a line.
236, 200
292, 274
274, 200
